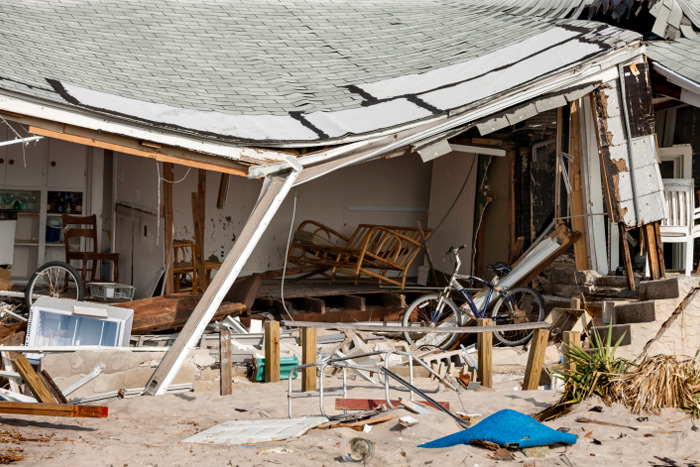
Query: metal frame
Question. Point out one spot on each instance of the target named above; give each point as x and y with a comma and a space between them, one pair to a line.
342, 363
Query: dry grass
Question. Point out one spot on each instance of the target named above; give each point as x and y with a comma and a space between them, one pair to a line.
659, 382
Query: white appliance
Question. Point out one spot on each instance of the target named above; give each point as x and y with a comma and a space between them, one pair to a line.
58, 321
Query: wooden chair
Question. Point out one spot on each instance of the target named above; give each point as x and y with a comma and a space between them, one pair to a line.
679, 226
184, 263
85, 227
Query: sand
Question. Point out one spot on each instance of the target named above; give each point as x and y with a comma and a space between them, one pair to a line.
147, 431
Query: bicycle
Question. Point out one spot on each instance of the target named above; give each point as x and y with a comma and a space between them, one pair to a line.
514, 305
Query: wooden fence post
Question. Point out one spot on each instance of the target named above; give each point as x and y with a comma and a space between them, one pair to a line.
535, 359
308, 348
225, 362
272, 351
571, 339
484, 353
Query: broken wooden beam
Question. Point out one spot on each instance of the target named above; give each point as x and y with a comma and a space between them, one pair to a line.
53, 387
32, 379
370, 404
53, 410
171, 312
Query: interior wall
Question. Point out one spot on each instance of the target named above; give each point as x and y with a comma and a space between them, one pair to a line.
497, 215
448, 177
387, 191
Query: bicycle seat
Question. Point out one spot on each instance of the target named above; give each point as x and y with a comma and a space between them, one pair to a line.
501, 269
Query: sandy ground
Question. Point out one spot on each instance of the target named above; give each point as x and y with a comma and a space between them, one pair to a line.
147, 431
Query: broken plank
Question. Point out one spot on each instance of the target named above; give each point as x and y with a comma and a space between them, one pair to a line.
170, 312
53, 410
32, 379
370, 404
223, 191
51, 385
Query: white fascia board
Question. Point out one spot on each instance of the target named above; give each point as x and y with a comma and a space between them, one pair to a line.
46, 111
478, 150
602, 71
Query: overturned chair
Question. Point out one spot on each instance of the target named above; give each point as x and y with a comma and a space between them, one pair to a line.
372, 250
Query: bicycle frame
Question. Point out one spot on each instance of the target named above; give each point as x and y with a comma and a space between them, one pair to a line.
455, 285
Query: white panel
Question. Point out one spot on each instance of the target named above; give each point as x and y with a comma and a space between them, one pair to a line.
255, 431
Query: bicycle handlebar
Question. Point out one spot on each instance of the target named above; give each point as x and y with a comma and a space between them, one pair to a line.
455, 249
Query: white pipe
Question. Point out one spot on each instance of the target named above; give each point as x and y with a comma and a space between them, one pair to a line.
27, 140
84, 380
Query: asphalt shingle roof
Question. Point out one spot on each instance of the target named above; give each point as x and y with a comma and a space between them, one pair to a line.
246, 58
681, 56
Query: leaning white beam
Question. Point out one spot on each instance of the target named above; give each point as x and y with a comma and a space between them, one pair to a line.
274, 191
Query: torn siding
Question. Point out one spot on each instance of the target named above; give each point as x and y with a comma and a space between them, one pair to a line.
634, 187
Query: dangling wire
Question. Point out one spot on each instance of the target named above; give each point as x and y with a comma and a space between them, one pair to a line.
24, 154
286, 254
172, 182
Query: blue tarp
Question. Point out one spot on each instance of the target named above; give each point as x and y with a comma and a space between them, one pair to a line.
506, 428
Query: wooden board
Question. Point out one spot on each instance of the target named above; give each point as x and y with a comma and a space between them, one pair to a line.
170, 312
32, 379
225, 363
309, 351
198, 216
168, 221
53, 410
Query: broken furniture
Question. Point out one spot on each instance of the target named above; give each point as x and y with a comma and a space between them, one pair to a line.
679, 226
372, 250
62, 322
83, 236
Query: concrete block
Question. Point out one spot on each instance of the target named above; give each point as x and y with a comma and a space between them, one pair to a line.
636, 312
673, 287
616, 331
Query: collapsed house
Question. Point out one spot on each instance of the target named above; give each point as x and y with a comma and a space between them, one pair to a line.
532, 123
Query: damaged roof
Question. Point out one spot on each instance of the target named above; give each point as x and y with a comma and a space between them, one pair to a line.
286, 72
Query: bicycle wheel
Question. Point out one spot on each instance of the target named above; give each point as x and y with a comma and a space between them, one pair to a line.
423, 312
517, 305
54, 279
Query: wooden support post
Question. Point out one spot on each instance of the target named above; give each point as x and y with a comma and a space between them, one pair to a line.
225, 362
575, 303
626, 257
571, 339
272, 351
535, 359
168, 221
484, 354
578, 221
652, 252
308, 355
31, 379
660, 249
223, 191
557, 167
198, 216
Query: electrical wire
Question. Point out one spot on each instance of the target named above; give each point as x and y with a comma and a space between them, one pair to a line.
286, 254
461, 190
